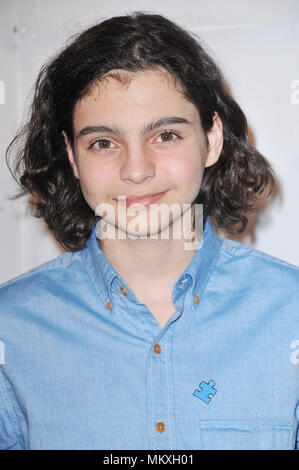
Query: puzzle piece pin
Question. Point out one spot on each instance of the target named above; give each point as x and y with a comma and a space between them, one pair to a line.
207, 389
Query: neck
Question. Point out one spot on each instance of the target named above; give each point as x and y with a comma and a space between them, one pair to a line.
143, 262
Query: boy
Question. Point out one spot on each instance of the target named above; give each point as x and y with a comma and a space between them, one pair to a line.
134, 341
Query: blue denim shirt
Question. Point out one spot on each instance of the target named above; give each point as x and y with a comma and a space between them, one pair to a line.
87, 366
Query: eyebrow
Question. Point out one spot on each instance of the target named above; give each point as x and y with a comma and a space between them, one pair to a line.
117, 131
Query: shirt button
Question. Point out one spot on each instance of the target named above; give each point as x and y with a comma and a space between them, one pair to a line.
181, 283
157, 348
109, 305
160, 427
124, 290
196, 299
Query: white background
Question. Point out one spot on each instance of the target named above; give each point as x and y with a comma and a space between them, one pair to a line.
255, 42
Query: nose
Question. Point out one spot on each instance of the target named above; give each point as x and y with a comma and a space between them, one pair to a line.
137, 166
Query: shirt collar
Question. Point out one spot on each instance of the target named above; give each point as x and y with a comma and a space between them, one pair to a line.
196, 274
204, 259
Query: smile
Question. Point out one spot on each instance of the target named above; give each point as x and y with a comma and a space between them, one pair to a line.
145, 199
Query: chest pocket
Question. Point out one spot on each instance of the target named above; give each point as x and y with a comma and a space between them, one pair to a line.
247, 435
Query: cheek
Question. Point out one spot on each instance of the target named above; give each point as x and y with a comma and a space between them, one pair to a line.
93, 181
187, 168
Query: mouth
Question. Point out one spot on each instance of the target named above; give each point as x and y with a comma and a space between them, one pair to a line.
145, 199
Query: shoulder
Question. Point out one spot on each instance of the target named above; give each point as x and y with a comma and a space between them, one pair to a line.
41, 275
258, 264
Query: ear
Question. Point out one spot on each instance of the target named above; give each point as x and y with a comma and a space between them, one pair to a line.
215, 141
71, 155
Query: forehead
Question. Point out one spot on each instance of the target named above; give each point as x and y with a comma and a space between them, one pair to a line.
123, 80
122, 93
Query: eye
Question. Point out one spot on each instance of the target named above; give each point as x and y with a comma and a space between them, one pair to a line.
104, 144
168, 136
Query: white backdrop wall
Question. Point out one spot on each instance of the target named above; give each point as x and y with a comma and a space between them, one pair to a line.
256, 43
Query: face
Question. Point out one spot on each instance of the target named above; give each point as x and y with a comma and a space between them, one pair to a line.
137, 138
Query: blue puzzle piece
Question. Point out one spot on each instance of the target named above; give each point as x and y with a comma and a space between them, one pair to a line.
207, 389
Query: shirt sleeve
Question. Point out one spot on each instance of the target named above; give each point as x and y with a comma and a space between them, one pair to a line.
13, 422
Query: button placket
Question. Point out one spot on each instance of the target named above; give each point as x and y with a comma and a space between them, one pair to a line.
161, 419
159, 394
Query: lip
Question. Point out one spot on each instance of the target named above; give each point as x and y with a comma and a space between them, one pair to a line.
145, 199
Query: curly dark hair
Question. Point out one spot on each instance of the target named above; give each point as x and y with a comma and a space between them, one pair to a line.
138, 41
